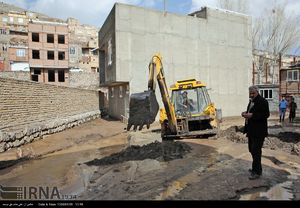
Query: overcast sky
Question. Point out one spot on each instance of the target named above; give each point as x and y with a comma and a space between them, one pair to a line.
94, 12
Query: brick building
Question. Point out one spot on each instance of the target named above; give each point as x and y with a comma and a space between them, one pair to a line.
48, 52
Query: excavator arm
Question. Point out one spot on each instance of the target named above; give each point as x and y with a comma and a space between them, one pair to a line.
143, 107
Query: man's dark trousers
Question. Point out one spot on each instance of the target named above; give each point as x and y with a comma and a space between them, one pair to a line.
255, 145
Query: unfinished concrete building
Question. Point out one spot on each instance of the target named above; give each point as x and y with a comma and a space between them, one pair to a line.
48, 52
200, 45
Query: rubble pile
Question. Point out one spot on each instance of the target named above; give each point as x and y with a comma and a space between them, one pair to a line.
286, 141
161, 151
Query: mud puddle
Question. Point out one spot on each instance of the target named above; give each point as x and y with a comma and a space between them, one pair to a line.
280, 191
63, 171
161, 151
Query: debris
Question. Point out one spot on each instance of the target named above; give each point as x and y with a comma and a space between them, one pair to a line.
162, 151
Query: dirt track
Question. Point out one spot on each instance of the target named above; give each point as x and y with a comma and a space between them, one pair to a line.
94, 161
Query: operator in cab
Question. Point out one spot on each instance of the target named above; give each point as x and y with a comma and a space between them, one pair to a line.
187, 103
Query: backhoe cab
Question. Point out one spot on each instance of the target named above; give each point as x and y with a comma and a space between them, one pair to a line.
195, 113
189, 111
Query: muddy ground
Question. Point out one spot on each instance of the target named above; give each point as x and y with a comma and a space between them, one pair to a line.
95, 161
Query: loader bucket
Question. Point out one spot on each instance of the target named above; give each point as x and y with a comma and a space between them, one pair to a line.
143, 108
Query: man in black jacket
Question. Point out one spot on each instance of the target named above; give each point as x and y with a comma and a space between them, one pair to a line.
256, 128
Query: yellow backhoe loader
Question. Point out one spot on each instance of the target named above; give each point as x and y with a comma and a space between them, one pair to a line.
189, 111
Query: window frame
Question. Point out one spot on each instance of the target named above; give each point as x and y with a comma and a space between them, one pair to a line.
109, 52
59, 39
48, 55
262, 93
39, 55
112, 92
121, 91
52, 71
292, 77
61, 54
34, 39
20, 52
50, 37
72, 50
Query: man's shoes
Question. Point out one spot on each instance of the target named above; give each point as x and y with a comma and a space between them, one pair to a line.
250, 170
254, 176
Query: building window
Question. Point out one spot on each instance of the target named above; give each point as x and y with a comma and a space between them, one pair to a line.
121, 91
266, 93
72, 50
36, 71
292, 75
50, 38
51, 75
4, 19
109, 53
20, 52
61, 55
61, 39
11, 19
35, 54
112, 92
35, 37
20, 20
50, 55
85, 51
61, 75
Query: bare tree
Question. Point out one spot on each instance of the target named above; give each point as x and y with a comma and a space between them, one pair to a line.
275, 32
241, 6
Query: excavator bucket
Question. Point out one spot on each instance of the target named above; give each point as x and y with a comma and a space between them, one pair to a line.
143, 108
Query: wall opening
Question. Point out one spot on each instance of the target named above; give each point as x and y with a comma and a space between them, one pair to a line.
50, 38
102, 66
35, 54
51, 75
35, 77
61, 75
50, 55
61, 39
36, 71
61, 55
35, 37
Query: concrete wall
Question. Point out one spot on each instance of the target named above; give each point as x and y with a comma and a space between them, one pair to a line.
118, 100
29, 110
106, 33
215, 50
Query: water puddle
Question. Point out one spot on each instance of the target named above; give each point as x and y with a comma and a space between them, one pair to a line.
59, 171
277, 192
